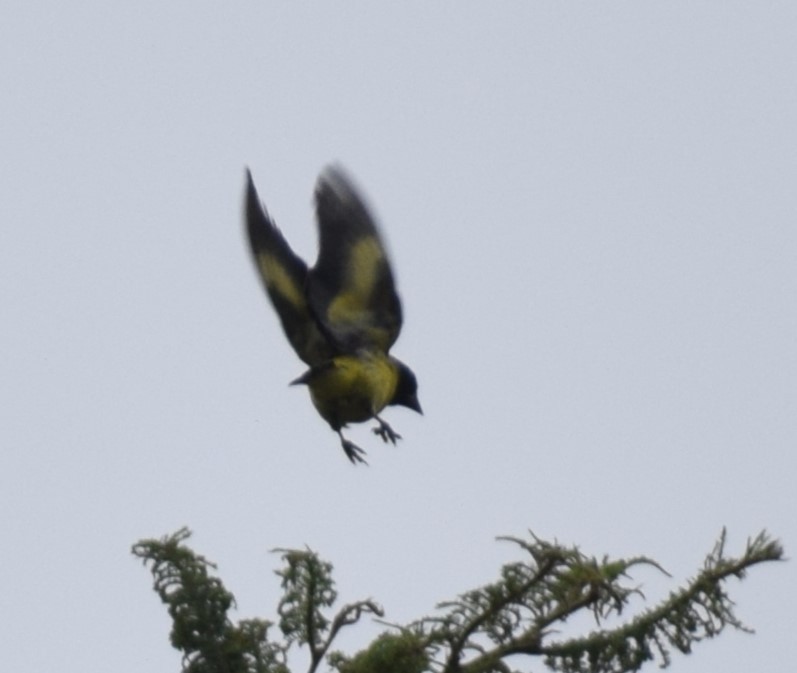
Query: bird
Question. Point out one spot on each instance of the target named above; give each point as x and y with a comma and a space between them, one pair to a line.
341, 316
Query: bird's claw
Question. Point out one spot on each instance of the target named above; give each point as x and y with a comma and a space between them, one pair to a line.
387, 433
353, 452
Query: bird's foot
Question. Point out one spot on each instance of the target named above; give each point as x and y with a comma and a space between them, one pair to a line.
353, 452
387, 433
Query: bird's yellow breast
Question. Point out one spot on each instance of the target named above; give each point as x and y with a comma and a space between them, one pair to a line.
353, 388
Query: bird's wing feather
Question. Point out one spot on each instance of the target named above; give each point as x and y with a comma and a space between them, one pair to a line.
351, 288
284, 275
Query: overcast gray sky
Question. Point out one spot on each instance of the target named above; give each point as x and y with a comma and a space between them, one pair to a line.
592, 214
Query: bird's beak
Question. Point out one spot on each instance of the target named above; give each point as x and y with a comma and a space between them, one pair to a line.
303, 380
414, 404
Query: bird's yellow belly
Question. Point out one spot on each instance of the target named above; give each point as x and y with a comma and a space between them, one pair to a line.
352, 389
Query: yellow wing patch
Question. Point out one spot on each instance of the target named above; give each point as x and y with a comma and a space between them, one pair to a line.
279, 280
365, 257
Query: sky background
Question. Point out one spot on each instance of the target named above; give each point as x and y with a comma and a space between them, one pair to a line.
592, 214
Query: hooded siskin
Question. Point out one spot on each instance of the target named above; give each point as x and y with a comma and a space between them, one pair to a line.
343, 315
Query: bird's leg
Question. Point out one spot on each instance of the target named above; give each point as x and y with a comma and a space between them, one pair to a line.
353, 452
387, 433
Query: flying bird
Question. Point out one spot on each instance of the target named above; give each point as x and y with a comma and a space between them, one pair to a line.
343, 315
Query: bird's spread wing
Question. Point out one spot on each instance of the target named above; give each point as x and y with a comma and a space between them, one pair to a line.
284, 276
351, 288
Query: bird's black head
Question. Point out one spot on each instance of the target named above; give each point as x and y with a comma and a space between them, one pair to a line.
406, 389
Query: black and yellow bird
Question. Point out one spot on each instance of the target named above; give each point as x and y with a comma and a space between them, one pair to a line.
343, 315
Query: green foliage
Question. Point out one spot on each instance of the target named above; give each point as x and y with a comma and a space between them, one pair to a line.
700, 610
308, 587
403, 652
198, 605
518, 613
475, 633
